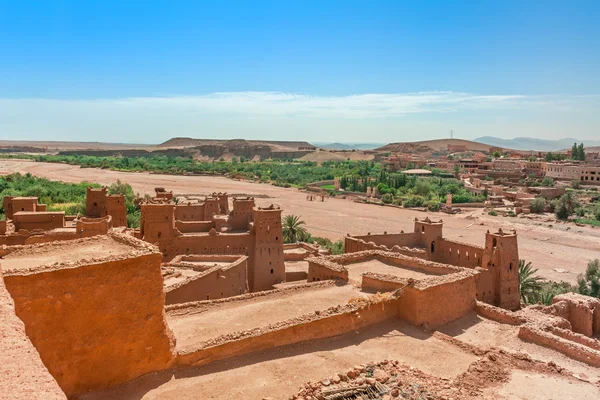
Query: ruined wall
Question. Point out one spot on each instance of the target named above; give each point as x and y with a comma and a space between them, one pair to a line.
215, 283
583, 312
2, 227
242, 213
38, 220
501, 258
92, 339
95, 202
23, 376
87, 227
321, 270
572, 349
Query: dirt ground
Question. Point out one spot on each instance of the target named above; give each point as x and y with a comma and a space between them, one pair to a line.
280, 372
193, 328
559, 251
357, 269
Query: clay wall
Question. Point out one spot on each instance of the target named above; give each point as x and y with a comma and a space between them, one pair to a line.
498, 314
193, 226
216, 283
87, 227
501, 257
190, 212
309, 251
223, 199
456, 253
29, 220
267, 267
93, 339
115, 207
583, 312
570, 348
389, 240
322, 270
241, 215
2, 227
443, 303
353, 245
41, 207
95, 202
157, 222
22, 204
7, 206
23, 376
235, 243
333, 322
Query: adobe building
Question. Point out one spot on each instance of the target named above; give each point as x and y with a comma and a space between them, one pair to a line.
497, 261
200, 228
98, 204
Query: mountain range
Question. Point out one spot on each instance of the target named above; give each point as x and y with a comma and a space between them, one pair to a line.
527, 143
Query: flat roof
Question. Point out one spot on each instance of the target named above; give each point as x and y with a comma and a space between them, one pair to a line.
416, 171
358, 268
70, 253
195, 325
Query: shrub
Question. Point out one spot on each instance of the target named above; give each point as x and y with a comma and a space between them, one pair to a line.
575, 184
493, 213
597, 213
414, 201
537, 205
433, 205
387, 198
589, 283
547, 181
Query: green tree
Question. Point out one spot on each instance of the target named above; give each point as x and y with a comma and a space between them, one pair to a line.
529, 283
581, 152
589, 283
566, 206
497, 154
574, 152
294, 229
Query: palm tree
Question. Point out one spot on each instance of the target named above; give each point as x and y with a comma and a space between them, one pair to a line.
293, 229
529, 283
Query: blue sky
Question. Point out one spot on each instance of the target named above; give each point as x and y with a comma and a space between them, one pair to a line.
144, 71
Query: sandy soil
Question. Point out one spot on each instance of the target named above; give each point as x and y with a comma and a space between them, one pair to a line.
57, 253
192, 329
356, 270
485, 333
534, 386
550, 247
280, 372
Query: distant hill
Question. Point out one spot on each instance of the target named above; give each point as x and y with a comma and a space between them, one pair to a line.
348, 145
274, 145
527, 143
433, 145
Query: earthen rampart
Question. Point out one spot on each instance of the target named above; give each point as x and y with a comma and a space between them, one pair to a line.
23, 376
79, 332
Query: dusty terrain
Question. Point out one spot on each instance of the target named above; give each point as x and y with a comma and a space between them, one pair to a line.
433, 145
559, 251
196, 325
280, 372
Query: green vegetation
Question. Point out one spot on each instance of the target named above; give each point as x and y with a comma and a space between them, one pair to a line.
493, 213
294, 229
529, 283
537, 205
589, 283
280, 173
578, 152
58, 196
566, 206
554, 157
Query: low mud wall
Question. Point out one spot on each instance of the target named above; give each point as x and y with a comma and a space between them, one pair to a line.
23, 376
572, 349
498, 314
332, 322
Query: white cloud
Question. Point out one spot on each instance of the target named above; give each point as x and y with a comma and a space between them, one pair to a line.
270, 115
